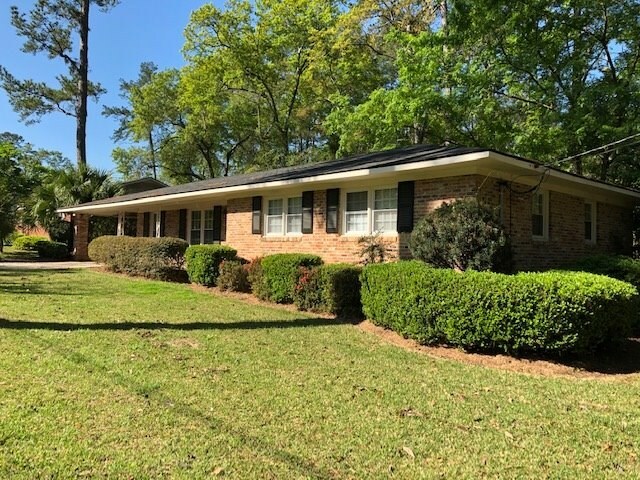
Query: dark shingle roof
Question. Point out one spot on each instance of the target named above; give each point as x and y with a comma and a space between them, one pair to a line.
399, 156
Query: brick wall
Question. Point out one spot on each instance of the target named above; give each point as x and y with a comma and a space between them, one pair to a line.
566, 225
332, 247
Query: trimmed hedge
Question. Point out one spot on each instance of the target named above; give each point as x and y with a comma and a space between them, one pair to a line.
279, 275
27, 242
159, 258
551, 312
234, 276
332, 288
203, 262
615, 266
52, 250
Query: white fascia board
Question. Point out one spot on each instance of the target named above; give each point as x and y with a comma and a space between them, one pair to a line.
564, 176
350, 175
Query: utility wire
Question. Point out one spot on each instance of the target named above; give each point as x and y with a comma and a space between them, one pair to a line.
603, 147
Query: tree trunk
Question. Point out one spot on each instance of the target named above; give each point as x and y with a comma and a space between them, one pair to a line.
83, 86
153, 156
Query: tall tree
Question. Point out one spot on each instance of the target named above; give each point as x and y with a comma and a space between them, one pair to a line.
13, 188
49, 28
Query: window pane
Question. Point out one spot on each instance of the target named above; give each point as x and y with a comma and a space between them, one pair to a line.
274, 224
357, 222
587, 212
208, 236
357, 201
537, 225
294, 205
538, 204
294, 223
196, 226
195, 220
587, 231
385, 220
386, 199
275, 207
208, 219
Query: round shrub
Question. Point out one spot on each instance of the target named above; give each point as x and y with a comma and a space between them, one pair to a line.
462, 235
234, 276
52, 250
203, 262
550, 312
280, 275
159, 258
27, 242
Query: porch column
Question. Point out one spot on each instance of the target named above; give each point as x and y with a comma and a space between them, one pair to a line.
121, 220
80, 237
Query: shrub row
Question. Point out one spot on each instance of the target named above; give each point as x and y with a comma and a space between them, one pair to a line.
276, 278
27, 242
158, 258
614, 266
550, 312
52, 250
234, 276
203, 262
333, 288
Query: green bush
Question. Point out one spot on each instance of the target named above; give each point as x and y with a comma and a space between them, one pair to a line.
158, 258
254, 276
332, 288
27, 242
234, 276
11, 238
203, 262
551, 312
52, 250
462, 235
614, 266
280, 275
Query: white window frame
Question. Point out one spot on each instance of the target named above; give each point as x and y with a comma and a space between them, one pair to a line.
545, 216
285, 214
371, 192
202, 225
594, 219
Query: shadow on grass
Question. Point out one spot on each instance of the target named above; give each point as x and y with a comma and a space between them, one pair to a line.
187, 326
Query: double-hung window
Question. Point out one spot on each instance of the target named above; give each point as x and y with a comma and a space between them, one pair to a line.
201, 227
590, 222
284, 216
357, 213
371, 211
154, 224
540, 215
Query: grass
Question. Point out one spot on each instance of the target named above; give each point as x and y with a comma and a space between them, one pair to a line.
104, 376
10, 254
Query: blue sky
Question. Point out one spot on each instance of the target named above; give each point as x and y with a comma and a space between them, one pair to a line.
134, 32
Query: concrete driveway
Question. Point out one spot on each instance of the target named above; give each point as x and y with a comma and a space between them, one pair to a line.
46, 265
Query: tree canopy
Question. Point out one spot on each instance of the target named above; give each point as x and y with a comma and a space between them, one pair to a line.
275, 83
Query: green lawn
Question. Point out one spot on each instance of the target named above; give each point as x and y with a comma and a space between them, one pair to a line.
103, 376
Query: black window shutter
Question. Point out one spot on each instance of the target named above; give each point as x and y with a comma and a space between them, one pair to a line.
333, 204
405, 206
163, 221
182, 224
256, 215
145, 226
217, 223
307, 212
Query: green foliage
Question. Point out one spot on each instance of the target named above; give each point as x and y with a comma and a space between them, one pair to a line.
551, 312
13, 188
280, 274
461, 235
373, 249
27, 242
52, 250
203, 262
234, 276
159, 258
49, 29
254, 276
12, 237
332, 288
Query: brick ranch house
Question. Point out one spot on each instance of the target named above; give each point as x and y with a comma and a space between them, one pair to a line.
552, 216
